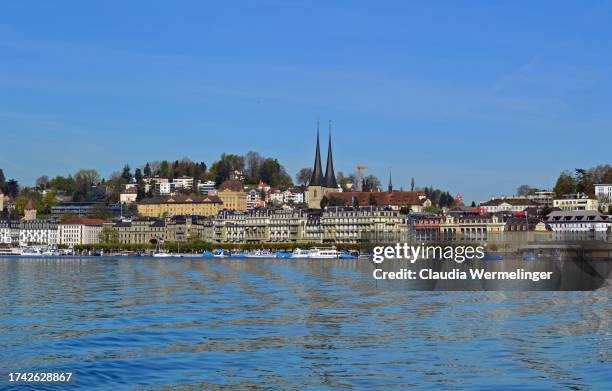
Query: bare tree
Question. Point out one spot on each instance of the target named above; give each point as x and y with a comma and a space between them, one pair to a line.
303, 176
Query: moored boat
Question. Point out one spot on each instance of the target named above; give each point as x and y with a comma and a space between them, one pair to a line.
323, 253
299, 253
260, 254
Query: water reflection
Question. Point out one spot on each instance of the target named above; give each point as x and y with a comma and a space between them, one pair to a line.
289, 324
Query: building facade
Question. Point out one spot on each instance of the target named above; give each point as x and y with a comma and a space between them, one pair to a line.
507, 204
80, 231
232, 194
576, 202
38, 232
196, 205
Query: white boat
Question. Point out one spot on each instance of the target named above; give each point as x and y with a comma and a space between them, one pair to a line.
31, 252
299, 253
162, 255
260, 254
324, 253
13, 251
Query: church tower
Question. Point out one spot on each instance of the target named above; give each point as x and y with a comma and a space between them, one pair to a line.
29, 211
330, 177
315, 186
321, 185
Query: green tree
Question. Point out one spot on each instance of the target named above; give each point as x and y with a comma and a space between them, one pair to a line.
2, 181
63, 184
336, 201
109, 235
84, 179
49, 200
11, 188
566, 184
147, 170
228, 163
126, 174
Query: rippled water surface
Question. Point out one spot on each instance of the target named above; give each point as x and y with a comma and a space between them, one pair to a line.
146, 324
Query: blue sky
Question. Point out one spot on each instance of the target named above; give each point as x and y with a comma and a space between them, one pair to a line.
472, 97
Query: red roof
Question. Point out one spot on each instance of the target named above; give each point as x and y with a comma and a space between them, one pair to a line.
84, 221
232, 185
30, 205
382, 198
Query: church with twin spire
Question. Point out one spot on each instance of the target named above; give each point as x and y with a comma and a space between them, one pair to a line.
320, 184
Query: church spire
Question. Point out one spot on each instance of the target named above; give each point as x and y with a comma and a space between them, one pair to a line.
316, 179
330, 177
390, 184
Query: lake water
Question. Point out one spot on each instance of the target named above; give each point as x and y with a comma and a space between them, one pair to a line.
147, 323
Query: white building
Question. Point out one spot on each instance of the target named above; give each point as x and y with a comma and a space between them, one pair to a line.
8, 230
38, 232
294, 197
206, 187
129, 195
542, 198
276, 197
576, 202
603, 193
80, 231
167, 188
183, 182
157, 179
587, 221
252, 198
507, 204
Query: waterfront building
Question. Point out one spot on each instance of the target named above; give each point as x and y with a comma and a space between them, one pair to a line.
179, 204
507, 204
232, 193
373, 224
265, 225
471, 227
129, 195
80, 231
575, 202
139, 231
513, 224
426, 227
583, 224
9, 232
38, 232
413, 201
